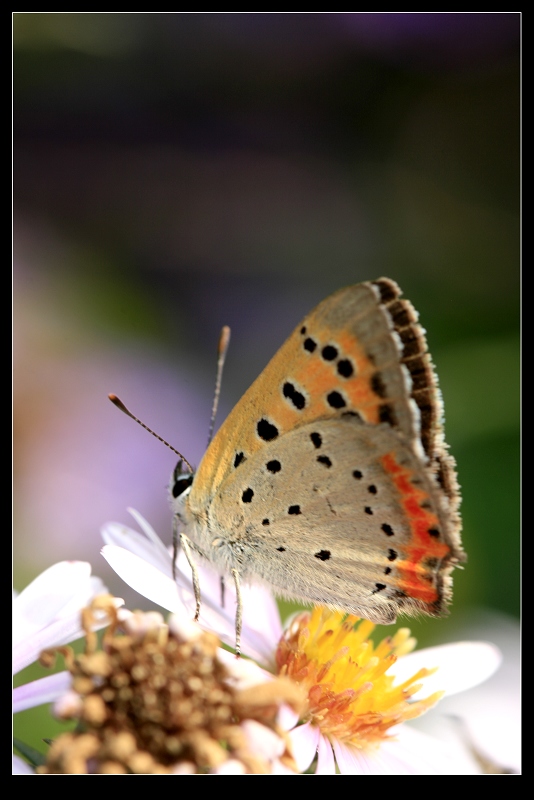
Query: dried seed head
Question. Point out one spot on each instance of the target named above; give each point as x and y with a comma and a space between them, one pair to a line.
157, 699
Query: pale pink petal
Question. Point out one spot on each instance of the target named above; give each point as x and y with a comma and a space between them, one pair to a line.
262, 740
47, 612
44, 598
488, 718
184, 768
407, 752
85, 593
261, 621
304, 742
230, 767
145, 578
462, 665
221, 620
411, 752
148, 530
326, 764
243, 673
44, 690
287, 718
56, 634
115, 534
21, 767
262, 628
183, 628
352, 761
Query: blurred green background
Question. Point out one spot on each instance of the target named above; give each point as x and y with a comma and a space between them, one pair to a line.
176, 172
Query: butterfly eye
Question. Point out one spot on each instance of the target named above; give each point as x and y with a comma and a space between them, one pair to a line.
181, 479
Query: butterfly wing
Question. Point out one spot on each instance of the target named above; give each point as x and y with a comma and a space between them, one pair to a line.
357, 365
338, 513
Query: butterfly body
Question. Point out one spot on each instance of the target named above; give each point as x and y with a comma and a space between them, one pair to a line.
330, 480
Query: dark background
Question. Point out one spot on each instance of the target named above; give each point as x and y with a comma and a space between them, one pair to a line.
176, 172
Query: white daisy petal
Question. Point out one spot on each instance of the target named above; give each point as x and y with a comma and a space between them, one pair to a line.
144, 577
243, 673
151, 576
326, 764
58, 633
119, 535
44, 690
260, 610
147, 529
86, 592
304, 741
287, 718
20, 767
46, 597
419, 754
263, 741
230, 767
47, 613
261, 620
352, 761
461, 665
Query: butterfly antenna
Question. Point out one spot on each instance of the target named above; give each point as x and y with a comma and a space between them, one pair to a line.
222, 349
116, 402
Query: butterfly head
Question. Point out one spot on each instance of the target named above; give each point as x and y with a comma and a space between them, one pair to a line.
181, 482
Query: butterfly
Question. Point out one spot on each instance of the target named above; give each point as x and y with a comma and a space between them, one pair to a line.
330, 480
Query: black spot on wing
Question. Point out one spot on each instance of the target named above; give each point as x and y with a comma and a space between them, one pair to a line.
329, 353
266, 430
336, 400
316, 439
345, 368
294, 396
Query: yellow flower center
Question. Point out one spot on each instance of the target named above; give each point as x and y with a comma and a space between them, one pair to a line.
350, 696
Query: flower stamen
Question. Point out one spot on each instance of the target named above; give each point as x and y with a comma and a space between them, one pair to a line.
350, 695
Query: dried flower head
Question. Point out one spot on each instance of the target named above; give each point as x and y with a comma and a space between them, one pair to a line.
157, 698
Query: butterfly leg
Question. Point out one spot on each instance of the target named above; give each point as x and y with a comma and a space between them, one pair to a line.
184, 541
238, 612
222, 591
